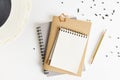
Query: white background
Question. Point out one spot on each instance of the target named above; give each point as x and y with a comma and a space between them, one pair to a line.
20, 61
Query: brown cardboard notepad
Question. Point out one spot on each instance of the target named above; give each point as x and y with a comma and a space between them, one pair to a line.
60, 25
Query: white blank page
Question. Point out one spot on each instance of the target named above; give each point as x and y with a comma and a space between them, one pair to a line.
68, 51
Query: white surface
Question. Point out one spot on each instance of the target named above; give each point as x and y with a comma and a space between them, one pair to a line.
106, 65
68, 52
18, 60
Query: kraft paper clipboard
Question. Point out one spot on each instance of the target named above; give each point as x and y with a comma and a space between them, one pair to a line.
75, 25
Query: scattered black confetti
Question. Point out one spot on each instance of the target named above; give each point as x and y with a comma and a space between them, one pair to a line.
116, 46
33, 48
118, 52
111, 52
82, 1
102, 2
104, 9
106, 55
117, 2
110, 19
118, 37
96, 15
78, 10
118, 55
103, 17
113, 12
91, 7
94, 4
99, 14
106, 15
61, 2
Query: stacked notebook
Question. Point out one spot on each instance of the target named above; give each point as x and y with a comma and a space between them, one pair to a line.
63, 45
43, 34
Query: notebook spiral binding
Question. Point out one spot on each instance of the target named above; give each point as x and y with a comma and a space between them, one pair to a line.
40, 39
42, 46
73, 32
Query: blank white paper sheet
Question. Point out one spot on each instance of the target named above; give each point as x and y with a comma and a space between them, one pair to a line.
68, 50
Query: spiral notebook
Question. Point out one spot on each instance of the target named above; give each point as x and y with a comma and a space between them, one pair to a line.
76, 26
43, 34
68, 49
